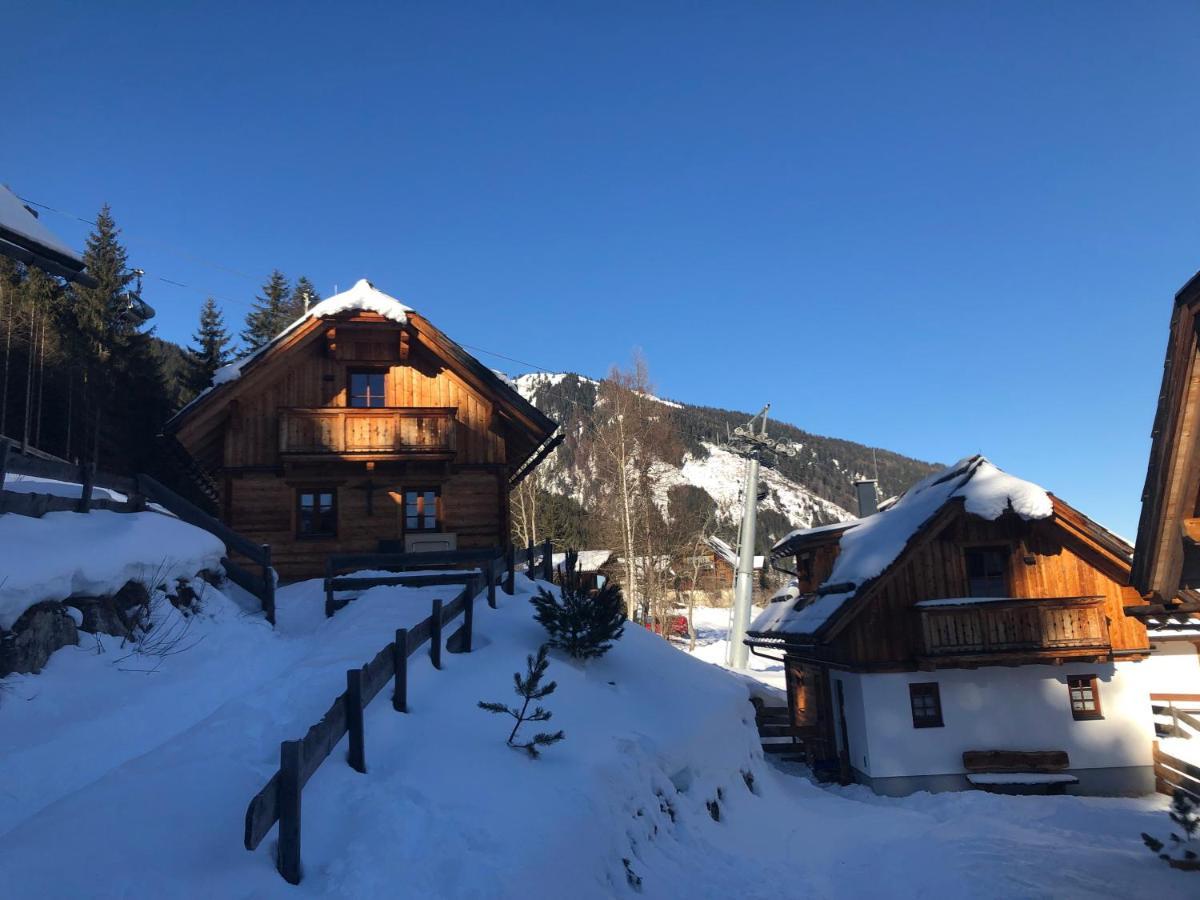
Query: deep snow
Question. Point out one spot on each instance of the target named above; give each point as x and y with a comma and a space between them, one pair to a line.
119, 783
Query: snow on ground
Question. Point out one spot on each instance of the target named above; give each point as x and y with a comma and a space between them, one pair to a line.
118, 783
712, 646
94, 554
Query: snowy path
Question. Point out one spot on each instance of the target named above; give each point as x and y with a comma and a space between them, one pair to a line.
118, 784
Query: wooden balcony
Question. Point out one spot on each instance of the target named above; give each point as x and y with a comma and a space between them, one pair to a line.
985, 630
378, 433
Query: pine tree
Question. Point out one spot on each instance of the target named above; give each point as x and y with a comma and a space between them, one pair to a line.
271, 314
304, 297
530, 690
582, 624
210, 349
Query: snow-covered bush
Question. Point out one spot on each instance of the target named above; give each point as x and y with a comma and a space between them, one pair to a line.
530, 689
581, 623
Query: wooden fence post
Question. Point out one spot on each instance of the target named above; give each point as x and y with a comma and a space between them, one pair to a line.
435, 635
87, 477
290, 762
400, 661
328, 587
357, 756
268, 597
490, 570
510, 566
468, 615
548, 560
529, 559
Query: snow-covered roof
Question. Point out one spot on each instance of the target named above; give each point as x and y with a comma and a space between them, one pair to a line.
363, 297
15, 217
727, 553
874, 543
589, 560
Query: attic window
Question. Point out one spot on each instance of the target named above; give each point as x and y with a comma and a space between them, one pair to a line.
987, 571
367, 389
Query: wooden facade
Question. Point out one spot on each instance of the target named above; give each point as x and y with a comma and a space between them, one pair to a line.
1067, 587
438, 444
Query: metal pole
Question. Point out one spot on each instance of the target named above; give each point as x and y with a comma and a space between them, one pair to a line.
743, 587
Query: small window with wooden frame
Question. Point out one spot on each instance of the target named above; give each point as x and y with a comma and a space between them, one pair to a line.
1084, 691
316, 512
926, 702
987, 571
366, 388
422, 509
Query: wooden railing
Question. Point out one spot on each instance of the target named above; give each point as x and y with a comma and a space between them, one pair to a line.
1172, 774
280, 799
1182, 709
1040, 624
138, 492
379, 431
495, 559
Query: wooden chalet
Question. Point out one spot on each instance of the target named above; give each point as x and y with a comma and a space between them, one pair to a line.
977, 614
1166, 562
362, 428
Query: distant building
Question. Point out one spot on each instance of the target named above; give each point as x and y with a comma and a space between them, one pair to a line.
976, 617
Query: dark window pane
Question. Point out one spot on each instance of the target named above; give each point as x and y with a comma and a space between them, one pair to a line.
366, 389
987, 571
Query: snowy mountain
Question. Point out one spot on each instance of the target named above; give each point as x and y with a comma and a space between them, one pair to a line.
813, 488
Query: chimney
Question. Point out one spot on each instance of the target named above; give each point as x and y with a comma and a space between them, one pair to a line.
868, 497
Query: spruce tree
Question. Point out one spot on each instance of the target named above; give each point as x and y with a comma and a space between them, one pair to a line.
581, 623
271, 314
210, 349
530, 690
304, 297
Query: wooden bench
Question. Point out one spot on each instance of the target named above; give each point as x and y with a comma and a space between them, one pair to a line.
1019, 771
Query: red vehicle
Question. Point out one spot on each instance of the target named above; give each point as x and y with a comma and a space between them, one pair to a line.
676, 626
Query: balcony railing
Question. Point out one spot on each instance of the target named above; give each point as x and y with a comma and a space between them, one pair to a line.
979, 626
375, 433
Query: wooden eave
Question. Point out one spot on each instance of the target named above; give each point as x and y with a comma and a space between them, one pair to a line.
803, 542
1172, 470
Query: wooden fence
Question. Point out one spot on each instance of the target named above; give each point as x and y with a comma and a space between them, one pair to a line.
338, 565
138, 491
280, 800
1172, 773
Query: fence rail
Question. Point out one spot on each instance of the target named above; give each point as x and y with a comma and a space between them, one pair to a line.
137, 491
280, 799
1172, 773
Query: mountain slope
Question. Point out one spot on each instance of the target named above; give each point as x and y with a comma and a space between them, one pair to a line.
812, 488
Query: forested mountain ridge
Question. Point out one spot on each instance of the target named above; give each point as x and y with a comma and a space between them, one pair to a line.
814, 487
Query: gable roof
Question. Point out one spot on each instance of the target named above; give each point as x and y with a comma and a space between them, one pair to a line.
727, 553
1173, 469
365, 297
23, 237
871, 546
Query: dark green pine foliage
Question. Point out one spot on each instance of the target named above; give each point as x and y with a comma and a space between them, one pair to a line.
530, 690
304, 297
210, 347
273, 311
1185, 812
582, 624
122, 382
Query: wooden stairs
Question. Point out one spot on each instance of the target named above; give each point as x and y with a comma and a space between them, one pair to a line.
779, 737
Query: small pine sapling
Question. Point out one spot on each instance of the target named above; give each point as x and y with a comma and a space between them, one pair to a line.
1185, 812
583, 624
531, 690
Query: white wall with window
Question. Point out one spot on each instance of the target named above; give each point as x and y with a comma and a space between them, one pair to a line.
892, 719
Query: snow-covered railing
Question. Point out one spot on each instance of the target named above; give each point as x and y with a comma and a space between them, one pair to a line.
280, 799
540, 555
39, 465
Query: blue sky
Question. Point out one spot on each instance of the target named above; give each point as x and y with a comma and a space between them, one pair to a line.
940, 228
